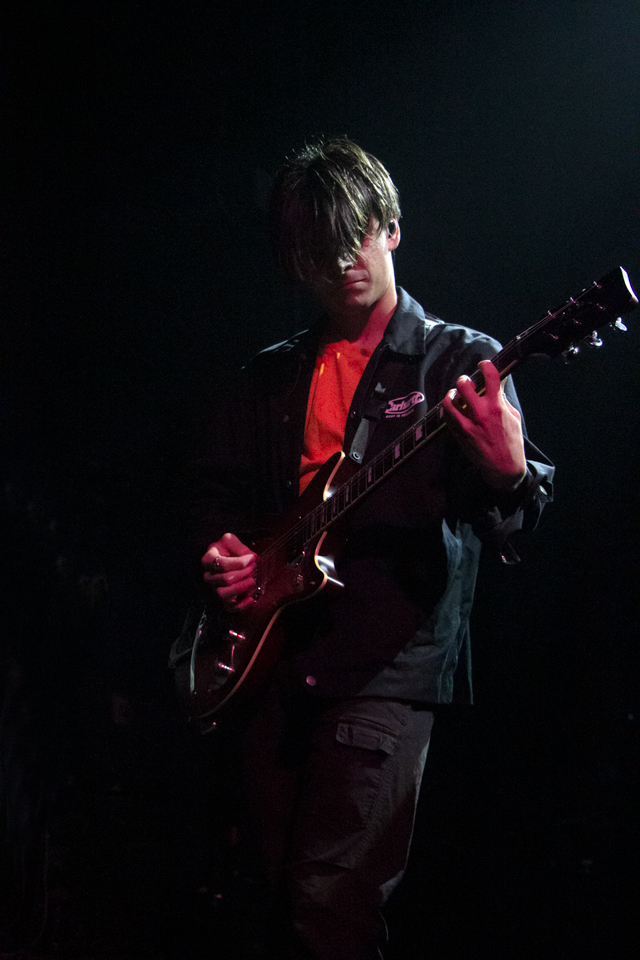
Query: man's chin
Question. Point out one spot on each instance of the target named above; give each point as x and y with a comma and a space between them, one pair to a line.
357, 293
346, 300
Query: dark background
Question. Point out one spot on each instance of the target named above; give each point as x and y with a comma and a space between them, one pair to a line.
142, 139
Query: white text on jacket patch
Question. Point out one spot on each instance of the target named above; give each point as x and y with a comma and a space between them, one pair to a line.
402, 406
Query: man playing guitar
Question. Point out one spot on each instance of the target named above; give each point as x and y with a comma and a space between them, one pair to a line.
336, 741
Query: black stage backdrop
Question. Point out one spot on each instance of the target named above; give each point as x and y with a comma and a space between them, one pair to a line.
142, 141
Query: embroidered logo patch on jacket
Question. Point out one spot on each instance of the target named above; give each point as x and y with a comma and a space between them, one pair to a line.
402, 406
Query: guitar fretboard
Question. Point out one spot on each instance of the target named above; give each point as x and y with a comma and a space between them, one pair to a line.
555, 332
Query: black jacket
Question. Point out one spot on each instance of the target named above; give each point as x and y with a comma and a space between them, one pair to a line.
400, 627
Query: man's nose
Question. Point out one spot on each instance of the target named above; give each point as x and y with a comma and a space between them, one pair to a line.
344, 264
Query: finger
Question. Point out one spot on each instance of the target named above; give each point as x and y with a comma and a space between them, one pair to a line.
234, 545
212, 556
227, 565
230, 578
228, 546
491, 378
231, 595
450, 403
235, 604
464, 400
237, 589
455, 418
243, 604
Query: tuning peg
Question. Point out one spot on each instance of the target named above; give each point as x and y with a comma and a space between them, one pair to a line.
570, 353
593, 340
619, 325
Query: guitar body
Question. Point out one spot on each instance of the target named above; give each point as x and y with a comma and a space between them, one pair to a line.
233, 654
224, 657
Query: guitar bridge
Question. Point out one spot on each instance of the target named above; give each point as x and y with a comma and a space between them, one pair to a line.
228, 665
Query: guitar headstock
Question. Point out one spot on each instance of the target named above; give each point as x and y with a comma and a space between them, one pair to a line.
578, 321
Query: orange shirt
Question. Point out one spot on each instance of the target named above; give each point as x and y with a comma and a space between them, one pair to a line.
337, 374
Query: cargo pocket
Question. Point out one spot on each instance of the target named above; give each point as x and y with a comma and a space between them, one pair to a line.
349, 775
367, 736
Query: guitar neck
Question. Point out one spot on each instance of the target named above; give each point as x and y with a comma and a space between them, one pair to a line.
384, 463
557, 331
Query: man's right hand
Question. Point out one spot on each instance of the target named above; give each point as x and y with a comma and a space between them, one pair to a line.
229, 568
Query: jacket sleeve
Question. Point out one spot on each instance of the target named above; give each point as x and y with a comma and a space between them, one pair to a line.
496, 516
493, 515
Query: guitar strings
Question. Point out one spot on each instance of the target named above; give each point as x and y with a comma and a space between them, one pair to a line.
318, 520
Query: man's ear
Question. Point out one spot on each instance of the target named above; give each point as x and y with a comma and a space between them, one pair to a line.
393, 235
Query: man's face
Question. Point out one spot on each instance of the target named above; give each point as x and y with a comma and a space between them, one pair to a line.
353, 287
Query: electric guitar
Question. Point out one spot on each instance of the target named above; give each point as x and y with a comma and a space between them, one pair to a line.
221, 658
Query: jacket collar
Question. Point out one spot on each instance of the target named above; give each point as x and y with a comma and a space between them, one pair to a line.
406, 332
409, 327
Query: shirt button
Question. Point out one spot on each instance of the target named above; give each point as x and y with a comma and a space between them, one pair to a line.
285, 419
311, 681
